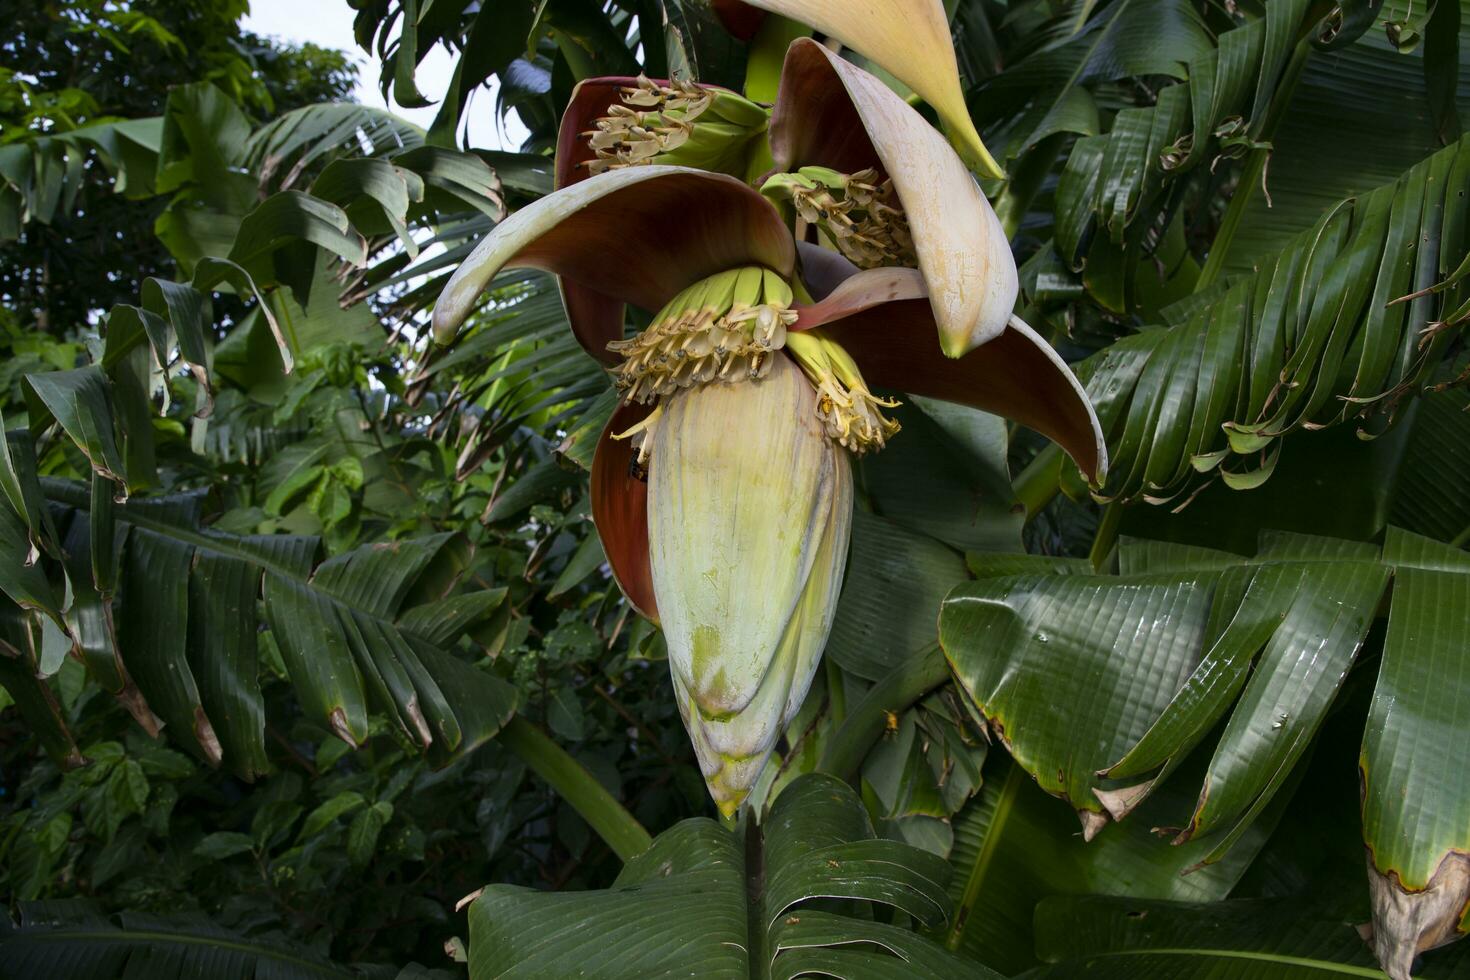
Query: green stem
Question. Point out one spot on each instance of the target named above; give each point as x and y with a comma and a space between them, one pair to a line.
768, 54
1461, 539
894, 692
836, 691
603, 813
1040, 481
1255, 166
1107, 535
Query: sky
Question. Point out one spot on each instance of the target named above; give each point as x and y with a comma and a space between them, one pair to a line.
329, 24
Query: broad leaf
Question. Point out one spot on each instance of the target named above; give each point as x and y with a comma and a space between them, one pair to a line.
889, 606
1333, 328
374, 626
1014, 847
1128, 175
704, 901
1365, 93
76, 940
1264, 940
22, 677
1416, 816
1137, 668
1047, 92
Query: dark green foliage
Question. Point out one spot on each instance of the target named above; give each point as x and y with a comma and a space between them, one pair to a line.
726, 904
306, 635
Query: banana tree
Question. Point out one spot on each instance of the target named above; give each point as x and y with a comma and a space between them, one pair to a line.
1141, 713
742, 563
1239, 368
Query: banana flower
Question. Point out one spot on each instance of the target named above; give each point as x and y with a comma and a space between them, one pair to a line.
834, 128
613, 122
720, 486
909, 39
837, 122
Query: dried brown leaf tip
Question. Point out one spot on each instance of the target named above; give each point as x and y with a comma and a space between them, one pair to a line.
1408, 921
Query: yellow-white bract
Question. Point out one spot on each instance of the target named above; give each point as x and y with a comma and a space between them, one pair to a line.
962, 250
749, 507
722, 487
910, 40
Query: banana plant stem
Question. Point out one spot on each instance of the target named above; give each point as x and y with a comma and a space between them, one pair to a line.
618, 828
768, 54
1040, 481
1107, 535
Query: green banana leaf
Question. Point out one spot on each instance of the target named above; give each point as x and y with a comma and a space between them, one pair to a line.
1122, 179
1428, 492
1366, 94
1097, 938
1014, 847
923, 771
958, 455
1331, 329
41, 177
76, 940
807, 892
1101, 686
1050, 90
298, 138
896, 578
24, 679
1411, 477
176, 640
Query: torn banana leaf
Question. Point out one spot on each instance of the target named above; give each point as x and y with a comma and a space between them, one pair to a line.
1100, 685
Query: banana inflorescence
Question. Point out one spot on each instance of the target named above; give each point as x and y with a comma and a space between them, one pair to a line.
679, 123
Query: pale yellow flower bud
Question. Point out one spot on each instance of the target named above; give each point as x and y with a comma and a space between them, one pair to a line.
749, 509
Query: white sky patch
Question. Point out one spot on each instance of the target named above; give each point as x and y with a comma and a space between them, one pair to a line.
329, 23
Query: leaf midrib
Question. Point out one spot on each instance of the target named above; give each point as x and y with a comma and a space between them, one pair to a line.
755, 902
981, 868
1344, 969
